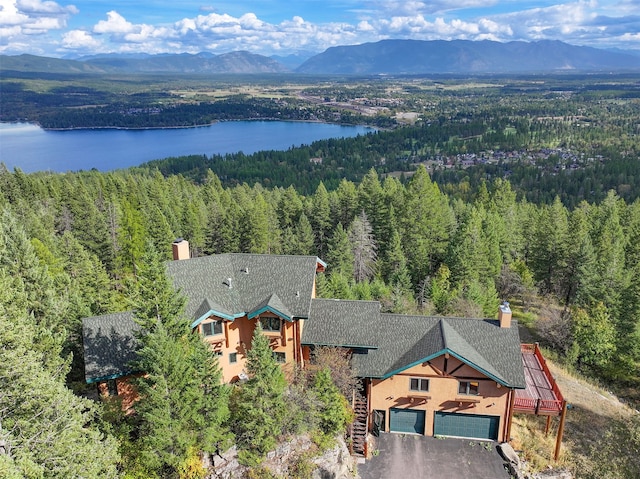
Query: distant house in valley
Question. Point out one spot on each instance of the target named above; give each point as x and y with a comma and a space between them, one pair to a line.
422, 375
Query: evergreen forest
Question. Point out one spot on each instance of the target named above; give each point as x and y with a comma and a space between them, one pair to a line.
82, 244
499, 189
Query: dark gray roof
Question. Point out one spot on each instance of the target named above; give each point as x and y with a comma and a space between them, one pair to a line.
109, 345
273, 304
236, 284
391, 343
334, 322
231, 285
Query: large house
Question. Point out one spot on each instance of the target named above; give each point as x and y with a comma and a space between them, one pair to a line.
421, 375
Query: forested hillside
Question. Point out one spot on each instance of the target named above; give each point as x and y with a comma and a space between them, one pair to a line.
73, 245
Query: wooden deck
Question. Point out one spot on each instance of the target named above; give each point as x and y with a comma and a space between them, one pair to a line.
542, 395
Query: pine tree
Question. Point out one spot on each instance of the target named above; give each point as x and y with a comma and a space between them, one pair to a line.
594, 336
258, 407
48, 431
609, 248
578, 279
548, 254
131, 238
334, 412
364, 248
339, 253
304, 236
394, 264
154, 299
426, 225
320, 219
347, 202
182, 402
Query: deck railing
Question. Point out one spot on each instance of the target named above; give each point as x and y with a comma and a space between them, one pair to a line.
540, 406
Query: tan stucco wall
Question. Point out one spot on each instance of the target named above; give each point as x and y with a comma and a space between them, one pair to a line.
443, 394
239, 334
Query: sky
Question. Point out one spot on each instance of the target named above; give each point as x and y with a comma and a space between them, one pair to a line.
282, 27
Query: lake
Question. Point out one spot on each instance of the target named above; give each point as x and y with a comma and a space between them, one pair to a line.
31, 148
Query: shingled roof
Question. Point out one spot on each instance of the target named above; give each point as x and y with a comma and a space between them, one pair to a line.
233, 285
334, 322
109, 346
226, 285
388, 343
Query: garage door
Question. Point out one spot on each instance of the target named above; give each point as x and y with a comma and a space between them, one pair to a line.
406, 420
466, 425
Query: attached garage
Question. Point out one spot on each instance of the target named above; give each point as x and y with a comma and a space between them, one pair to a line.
474, 426
407, 420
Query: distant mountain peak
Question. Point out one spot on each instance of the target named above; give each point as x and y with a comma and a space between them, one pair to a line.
465, 56
385, 57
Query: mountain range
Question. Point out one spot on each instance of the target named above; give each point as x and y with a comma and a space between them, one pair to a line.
392, 57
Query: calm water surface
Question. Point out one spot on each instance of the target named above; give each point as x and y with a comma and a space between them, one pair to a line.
33, 149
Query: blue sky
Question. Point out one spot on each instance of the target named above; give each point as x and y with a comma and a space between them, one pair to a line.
280, 27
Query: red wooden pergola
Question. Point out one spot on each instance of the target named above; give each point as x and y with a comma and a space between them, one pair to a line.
542, 395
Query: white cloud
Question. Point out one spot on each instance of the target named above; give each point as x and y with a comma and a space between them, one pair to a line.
115, 23
575, 21
434, 7
80, 40
37, 7
25, 24
33, 16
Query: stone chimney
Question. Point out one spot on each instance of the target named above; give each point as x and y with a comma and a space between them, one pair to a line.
180, 249
504, 315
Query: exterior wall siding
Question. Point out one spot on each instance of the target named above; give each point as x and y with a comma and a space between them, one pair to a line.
127, 392
394, 392
236, 338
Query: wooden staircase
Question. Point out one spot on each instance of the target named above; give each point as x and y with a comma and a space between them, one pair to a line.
360, 426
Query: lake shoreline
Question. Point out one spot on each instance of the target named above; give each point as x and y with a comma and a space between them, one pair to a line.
32, 148
204, 125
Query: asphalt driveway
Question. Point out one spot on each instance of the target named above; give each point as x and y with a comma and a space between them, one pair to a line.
406, 456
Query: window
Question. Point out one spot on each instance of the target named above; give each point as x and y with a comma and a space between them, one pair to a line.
270, 324
217, 353
112, 387
419, 384
468, 387
233, 358
280, 357
212, 328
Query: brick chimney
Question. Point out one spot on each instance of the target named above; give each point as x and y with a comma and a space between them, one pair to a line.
180, 249
504, 315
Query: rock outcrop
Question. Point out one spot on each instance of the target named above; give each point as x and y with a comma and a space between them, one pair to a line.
335, 463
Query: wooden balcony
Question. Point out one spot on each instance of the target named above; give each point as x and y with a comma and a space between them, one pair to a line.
542, 395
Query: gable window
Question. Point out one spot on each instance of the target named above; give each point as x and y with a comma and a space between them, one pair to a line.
212, 328
280, 357
468, 387
270, 324
419, 384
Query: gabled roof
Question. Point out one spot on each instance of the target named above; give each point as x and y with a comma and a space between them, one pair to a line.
273, 305
389, 344
236, 284
228, 286
109, 346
